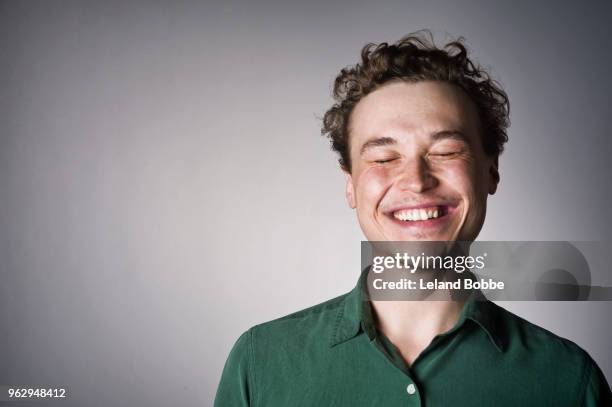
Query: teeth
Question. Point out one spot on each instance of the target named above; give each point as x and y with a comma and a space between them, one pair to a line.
417, 214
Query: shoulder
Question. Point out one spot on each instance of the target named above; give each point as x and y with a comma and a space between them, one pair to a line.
269, 352
550, 357
309, 324
521, 333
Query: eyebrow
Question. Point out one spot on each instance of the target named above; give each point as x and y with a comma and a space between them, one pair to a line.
387, 141
377, 142
452, 134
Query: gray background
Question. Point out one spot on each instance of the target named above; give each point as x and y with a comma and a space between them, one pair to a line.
163, 184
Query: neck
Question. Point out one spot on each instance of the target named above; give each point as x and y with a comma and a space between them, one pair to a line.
412, 325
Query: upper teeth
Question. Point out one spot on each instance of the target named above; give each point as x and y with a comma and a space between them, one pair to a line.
417, 214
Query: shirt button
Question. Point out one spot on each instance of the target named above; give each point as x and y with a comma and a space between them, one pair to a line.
411, 389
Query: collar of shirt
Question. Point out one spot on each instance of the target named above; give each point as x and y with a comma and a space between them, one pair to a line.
355, 317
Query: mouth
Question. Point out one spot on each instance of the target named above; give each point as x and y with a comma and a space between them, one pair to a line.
421, 216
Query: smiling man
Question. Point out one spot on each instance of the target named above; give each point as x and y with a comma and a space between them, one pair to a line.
419, 130
418, 168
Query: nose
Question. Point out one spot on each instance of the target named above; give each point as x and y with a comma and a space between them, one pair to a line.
416, 176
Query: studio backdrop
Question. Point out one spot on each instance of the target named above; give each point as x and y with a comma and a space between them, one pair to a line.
164, 185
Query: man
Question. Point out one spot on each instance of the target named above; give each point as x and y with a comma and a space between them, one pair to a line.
419, 131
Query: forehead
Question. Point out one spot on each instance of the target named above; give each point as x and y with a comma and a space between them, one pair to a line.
404, 109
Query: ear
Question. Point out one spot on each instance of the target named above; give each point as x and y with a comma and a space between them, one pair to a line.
350, 190
493, 175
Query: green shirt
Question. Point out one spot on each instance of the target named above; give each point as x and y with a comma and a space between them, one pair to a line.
332, 355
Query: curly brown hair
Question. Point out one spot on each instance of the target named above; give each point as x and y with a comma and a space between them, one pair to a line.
416, 58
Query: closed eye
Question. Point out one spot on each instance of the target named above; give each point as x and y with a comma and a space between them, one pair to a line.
387, 160
445, 154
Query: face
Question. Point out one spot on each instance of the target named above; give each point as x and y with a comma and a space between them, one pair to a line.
419, 171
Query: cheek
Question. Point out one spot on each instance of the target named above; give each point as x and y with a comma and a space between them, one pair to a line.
463, 176
372, 184
470, 184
